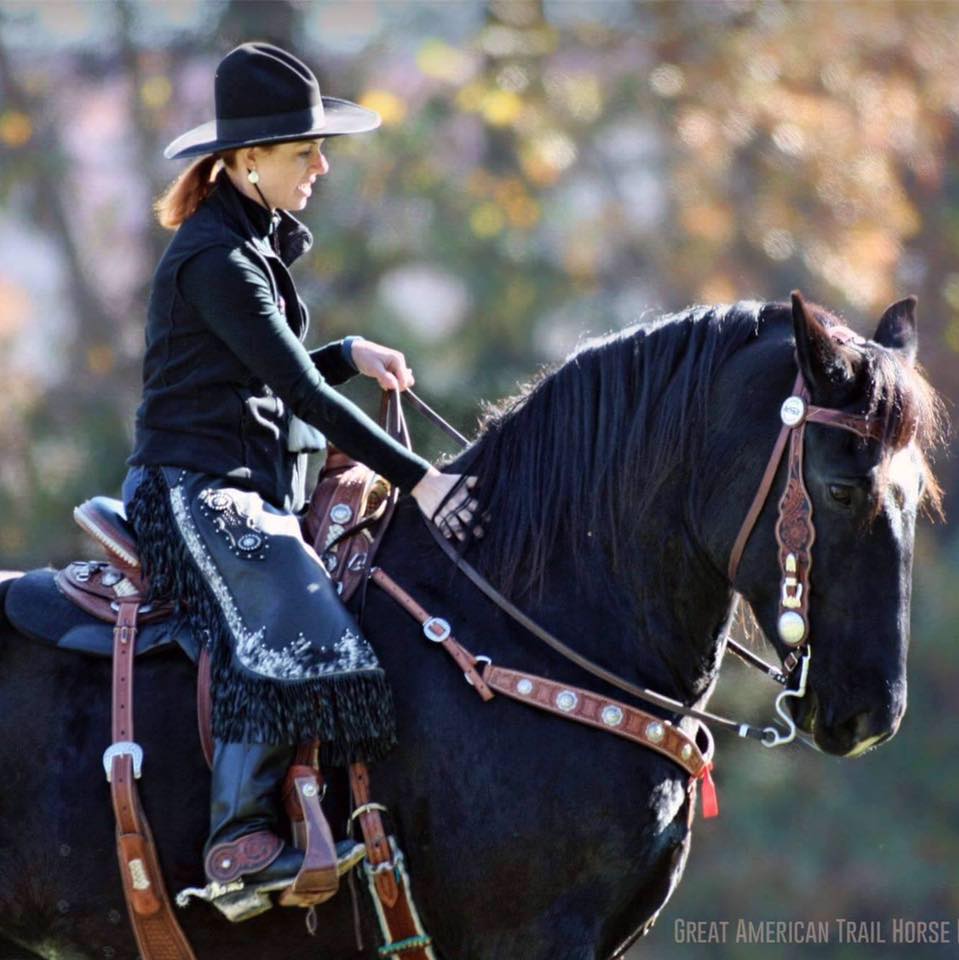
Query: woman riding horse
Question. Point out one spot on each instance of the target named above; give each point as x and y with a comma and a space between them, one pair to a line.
231, 400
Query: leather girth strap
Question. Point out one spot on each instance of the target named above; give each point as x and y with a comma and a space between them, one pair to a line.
157, 932
400, 925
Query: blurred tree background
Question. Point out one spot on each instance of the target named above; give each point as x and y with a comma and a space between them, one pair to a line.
546, 170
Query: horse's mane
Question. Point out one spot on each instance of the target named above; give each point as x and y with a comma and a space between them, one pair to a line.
560, 458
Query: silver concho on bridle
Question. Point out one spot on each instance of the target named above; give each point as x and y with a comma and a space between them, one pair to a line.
793, 411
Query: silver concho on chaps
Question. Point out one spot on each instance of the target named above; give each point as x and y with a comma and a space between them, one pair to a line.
288, 661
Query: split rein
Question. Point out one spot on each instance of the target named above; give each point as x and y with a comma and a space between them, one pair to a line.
769, 736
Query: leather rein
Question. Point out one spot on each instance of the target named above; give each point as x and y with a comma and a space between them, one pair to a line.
795, 534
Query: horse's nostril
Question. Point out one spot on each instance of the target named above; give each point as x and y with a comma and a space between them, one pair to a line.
860, 732
856, 729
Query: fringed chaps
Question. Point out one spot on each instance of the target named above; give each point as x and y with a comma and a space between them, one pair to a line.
288, 662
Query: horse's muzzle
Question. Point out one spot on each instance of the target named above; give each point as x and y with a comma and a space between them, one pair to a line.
851, 735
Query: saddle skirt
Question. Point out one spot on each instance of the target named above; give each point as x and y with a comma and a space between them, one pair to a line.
39, 608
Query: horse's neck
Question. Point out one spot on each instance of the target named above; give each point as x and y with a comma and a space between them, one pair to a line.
654, 621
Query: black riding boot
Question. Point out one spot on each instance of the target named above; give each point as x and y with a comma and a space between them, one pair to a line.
244, 807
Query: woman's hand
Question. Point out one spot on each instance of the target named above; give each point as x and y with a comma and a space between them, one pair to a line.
445, 498
386, 366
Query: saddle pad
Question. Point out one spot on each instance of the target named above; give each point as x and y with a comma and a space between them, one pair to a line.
37, 608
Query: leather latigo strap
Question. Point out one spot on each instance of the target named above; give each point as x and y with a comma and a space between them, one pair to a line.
374, 835
612, 716
157, 932
400, 924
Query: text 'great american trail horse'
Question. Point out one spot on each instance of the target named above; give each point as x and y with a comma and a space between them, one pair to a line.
617, 489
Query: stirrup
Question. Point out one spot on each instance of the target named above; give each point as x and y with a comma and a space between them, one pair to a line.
237, 901
348, 855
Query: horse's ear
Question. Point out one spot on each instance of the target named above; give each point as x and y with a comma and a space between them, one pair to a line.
821, 360
897, 329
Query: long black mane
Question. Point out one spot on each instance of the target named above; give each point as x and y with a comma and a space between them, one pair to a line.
561, 458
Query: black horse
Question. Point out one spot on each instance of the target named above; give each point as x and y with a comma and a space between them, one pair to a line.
615, 487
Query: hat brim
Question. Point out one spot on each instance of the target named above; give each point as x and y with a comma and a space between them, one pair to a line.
334, 118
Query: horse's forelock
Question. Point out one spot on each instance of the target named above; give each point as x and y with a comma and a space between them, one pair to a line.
896, 393
908, 409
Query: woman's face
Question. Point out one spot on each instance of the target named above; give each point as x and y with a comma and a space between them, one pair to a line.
287, 172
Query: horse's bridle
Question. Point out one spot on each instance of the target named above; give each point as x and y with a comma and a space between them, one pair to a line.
795, 534
795, 531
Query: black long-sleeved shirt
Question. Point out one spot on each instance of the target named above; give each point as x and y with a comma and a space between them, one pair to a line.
225, 366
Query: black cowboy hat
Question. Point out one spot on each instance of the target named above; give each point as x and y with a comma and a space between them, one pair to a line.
265, 95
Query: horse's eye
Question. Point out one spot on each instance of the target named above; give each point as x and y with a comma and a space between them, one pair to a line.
841, 493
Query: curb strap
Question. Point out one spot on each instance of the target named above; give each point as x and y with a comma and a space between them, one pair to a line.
572, 703
157, 932
387, 879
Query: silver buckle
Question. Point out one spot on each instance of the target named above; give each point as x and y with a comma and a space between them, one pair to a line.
482, 658
123, 748
444, 629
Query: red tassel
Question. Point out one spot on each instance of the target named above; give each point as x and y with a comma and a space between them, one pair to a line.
710, 799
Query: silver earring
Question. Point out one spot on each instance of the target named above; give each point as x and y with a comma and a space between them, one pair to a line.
253, 176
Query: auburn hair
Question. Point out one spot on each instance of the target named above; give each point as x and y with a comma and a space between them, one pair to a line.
184, 195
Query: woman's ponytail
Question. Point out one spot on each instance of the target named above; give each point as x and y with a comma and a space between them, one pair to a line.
187, 192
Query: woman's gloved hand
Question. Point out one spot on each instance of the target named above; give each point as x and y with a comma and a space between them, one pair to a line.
446, 499
385, 365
